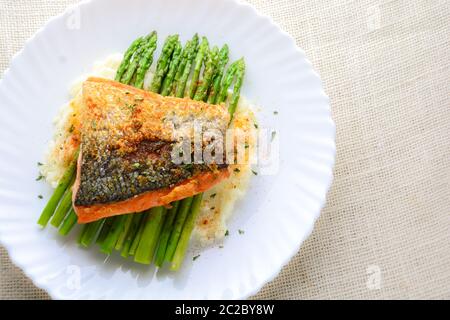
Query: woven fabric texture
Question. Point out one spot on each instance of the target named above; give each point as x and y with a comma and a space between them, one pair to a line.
385, 231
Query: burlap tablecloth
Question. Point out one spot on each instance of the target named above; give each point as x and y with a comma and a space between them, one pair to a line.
385, 232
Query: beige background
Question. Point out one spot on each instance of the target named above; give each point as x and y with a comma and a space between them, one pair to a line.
386, 67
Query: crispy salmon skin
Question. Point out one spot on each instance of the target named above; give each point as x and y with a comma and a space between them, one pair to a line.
128, 137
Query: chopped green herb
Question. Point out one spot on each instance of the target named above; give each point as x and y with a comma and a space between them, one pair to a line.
237, 170
274, 133
132, 107
241, 231
227, 233
39, 164
255, 173
195, 258
213, 195
220, 247
127, 92
246, 146
71, 129
275, 112
40, 177
40, 196
256, 126
136, 165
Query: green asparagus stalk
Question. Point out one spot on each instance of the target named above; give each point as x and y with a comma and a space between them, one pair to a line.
135, 223
145, 62
65, 181
165, 233
184, 69
63, 209
69, 223
104, 231
138, 235
150, 235
89, 232
127, 58
123, 234
145, 46
227, 81
208, 74
162, 66
240, 72
114, 233
223, 60
188, 227
200, 57
177, 228
167, 85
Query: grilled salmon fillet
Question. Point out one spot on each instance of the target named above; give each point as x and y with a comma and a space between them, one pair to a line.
128, 139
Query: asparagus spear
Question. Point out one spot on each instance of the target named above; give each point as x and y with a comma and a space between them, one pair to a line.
240, 72
104, 231
89, 232
63, 208
150, 235
189, 225
202, 51
162, 66
145, 62
113, 234
223, 60
227, 81
69, 223
208, 74
134, 64
138, 235
58, 193
167, 84
165, 234
123, 234
135, 223
178, 226
127, 58
185, 67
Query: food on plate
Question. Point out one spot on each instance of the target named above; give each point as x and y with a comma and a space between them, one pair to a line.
118, 160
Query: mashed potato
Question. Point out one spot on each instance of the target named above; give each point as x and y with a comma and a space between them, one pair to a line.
218, 202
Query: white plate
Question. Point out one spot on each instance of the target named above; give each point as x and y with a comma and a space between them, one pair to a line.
279, 211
